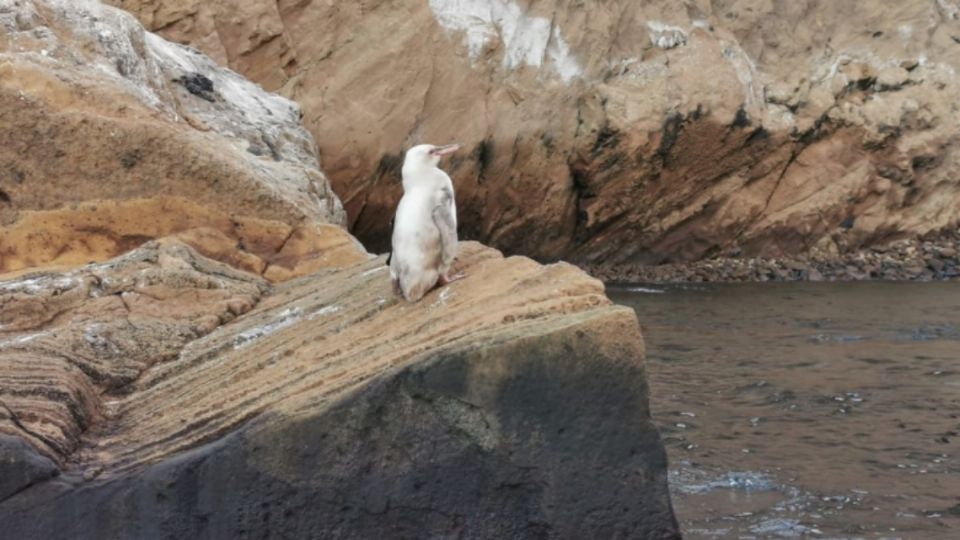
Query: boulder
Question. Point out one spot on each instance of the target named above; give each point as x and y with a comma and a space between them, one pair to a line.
21, 465
163, 394
620, 131
114, 136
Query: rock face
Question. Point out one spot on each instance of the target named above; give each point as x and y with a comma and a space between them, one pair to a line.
171, 396
114, 136
621, 131
233, 364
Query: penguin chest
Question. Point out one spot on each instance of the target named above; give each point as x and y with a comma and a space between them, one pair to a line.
416, 239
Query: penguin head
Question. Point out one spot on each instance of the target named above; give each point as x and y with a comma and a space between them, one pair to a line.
425, 156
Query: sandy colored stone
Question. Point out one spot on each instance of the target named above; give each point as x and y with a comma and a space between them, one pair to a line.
521, 381
96, 231
69, 340
336, 303
620, 131
114, 136
310, 248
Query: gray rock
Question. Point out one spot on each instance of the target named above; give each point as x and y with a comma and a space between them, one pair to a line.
550, 451
21, 466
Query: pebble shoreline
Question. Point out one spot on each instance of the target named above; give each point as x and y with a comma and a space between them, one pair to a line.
904, 260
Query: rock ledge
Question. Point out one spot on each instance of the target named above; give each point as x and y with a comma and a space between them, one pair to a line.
178, 397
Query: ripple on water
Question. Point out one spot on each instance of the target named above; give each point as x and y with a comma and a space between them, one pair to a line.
827, 338
784, 528
644, 290
686, 481
930, 333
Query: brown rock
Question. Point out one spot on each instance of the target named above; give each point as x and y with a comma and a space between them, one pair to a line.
70, 338
114, 136
327, 389
892, 78
163, 392
913, 270
310, 248
645, 132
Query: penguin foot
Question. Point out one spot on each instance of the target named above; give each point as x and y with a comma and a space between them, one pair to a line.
396, 287
444, 280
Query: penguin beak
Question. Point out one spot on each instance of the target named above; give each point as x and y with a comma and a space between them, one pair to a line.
444, 150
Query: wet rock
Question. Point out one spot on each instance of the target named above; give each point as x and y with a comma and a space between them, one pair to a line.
894, 261
913, 269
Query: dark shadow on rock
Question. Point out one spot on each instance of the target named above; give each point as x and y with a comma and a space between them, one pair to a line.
543, 436
21, 466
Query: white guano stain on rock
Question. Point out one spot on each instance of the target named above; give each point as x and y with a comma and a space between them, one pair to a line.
526, 40
33, 285
146, 64
905, 31
93, 46
666, 36
325, 310
442, 298
20, 340
950, 9
746, 72
285, 318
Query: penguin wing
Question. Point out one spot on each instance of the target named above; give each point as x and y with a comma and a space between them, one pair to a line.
393, 222
445, 218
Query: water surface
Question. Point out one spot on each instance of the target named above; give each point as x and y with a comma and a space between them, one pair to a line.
807, 410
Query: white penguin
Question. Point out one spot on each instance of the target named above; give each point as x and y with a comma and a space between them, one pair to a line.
425, 226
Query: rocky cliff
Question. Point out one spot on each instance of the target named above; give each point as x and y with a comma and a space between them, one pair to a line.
233, 364
621, 131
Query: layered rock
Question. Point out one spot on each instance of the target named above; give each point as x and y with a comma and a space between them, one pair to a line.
174, 396
621, 131
71, 339
114, 136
